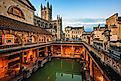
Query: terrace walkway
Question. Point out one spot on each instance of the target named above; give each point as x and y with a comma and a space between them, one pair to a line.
106, 70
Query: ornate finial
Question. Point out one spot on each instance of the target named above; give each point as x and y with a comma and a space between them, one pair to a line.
41, 7
51, 7
47, 4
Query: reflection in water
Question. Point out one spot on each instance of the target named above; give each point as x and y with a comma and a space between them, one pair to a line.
58, 70
67, 77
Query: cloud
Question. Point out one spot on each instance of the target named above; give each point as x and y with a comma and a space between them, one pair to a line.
88, 23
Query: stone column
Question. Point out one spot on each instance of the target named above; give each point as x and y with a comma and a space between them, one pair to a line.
61, 50
37, 52
87, 57
84, 54
22, 59
72, 51
23, 42
38, 37
46, 51
91, 69
52, 50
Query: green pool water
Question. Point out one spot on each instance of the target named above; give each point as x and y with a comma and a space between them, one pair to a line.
58, 70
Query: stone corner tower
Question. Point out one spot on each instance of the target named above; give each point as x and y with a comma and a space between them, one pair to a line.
46, 12
59, 27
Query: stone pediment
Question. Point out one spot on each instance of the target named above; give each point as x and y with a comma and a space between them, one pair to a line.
27, 3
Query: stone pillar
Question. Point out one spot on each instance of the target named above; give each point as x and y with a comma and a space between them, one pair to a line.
46, 51
72, 51
23, 57
23, 42
52, 50
87, 61
61, 50
38, 37
87, 57
91, 69
46, 37
37, 53
84, 54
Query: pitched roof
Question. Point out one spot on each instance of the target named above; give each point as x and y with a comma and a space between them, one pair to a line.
11, 24
28, 4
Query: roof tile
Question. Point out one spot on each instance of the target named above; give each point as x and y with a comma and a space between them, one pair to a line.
7, 24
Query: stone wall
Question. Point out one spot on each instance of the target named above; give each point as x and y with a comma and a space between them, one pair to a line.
28, 13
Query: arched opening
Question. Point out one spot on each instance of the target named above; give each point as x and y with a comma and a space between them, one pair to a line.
38, 23
42, 24
55, 27
50, 25
46, 25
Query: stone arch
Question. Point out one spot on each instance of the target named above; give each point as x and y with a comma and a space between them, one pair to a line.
46, 25
42, 24
50, 25
55, 26
14, 10
39, 23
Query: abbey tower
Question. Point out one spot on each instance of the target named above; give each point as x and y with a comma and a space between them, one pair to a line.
46, 12
46, 21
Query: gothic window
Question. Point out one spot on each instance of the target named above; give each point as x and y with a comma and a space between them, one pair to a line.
42, 24
15, 11
46, 25
50, 25
38, 22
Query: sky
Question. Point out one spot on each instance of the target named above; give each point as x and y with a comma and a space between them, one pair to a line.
87, 13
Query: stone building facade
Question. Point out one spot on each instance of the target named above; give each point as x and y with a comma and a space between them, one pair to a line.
86, 37
108, 38
114, 25
98, 37
21, 37
73, 33
21, 10
46, 21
